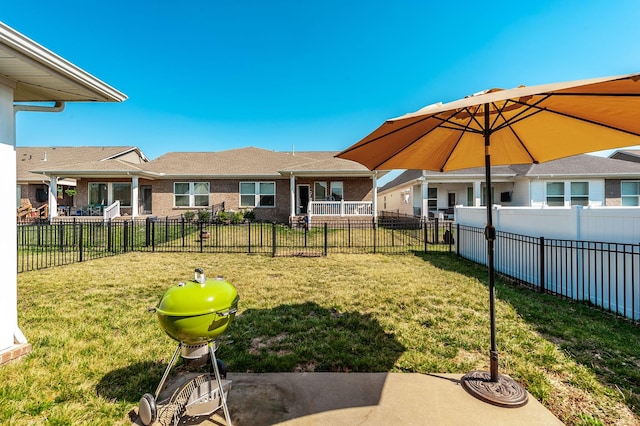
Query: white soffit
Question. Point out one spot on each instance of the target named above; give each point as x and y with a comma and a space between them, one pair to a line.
40, 75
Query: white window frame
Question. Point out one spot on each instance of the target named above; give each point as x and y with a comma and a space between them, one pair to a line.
432, 202
258, 193
579, 199
113, 197
104, 201
557, 199
322, 184
631, 199
192, 195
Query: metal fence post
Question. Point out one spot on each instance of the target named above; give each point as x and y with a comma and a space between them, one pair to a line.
80, 238
326, 239
273, 239
125, 236
542, 290
249, 234
458, 239
375, 236
61, 236
425, 230
109, 236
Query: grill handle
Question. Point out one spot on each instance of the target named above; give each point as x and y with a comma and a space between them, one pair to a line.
199, 276
227, 313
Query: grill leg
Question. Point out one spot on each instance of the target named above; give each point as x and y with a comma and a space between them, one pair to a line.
223, 397
166, 372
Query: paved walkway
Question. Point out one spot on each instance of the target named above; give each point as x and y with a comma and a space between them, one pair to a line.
310, 399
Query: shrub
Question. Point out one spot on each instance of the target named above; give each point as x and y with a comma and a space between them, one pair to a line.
250, 215
236, 217
223, 216
204, 216
189, 215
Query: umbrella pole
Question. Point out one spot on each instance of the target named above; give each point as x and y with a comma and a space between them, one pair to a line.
490, 386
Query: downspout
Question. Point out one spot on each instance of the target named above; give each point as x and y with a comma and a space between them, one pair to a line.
53, 185
292, 196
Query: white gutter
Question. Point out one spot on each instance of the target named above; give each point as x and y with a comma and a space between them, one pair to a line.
57, 107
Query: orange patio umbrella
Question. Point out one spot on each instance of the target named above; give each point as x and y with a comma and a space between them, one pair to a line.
501, 127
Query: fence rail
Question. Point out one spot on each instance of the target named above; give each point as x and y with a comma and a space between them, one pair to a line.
605, 275
42, 245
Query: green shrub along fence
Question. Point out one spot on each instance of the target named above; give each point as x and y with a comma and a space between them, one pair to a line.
42, 245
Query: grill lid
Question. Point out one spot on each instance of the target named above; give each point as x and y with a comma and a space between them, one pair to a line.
199, 297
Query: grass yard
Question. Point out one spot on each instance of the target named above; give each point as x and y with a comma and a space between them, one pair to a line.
96, 349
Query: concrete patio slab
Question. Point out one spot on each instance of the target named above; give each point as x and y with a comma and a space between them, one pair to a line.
310, 399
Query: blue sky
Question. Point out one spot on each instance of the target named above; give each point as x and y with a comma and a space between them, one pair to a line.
304, 75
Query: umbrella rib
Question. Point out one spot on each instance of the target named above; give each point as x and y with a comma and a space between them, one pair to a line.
442, 119
508, 124
564, 114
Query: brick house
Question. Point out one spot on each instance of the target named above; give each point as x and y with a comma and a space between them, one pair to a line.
276, 186
32, 190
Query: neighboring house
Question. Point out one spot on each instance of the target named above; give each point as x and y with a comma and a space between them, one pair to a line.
627, 155
33, 188
277, 186
579, 180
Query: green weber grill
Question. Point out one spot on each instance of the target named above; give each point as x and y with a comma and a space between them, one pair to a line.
194, 313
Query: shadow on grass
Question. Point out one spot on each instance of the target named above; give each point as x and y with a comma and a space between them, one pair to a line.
606, 345
308, 337
128, 384
288, 338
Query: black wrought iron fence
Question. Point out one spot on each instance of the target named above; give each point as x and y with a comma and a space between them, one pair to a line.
602, 274
606, 275
42, 245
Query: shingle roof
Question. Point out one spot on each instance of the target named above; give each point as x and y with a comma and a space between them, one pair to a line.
584, 165
249, 161
63, 158
579, 165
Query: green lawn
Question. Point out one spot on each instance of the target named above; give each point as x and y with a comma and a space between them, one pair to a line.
96, 349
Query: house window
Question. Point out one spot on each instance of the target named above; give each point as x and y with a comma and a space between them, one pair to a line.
122, 192
337, 191
191, 194
470, 198
483, 198
432, 198
98, 193
257, 194
555, 194
320, 191
579, 193
630, 192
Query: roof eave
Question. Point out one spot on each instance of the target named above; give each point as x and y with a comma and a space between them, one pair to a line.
31, 51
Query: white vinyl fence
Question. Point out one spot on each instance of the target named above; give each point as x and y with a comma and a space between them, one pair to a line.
605, 272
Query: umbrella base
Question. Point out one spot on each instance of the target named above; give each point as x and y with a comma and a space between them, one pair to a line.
506, 392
